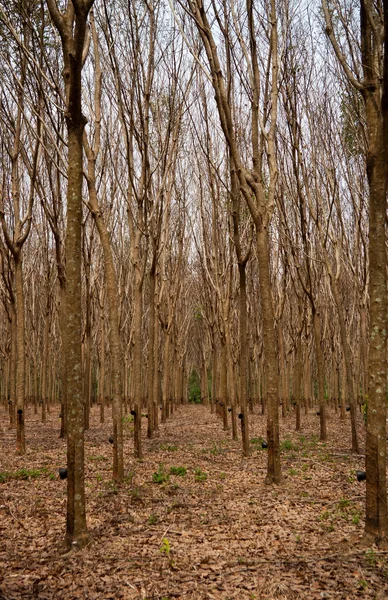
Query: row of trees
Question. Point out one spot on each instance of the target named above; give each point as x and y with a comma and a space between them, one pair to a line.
190, 186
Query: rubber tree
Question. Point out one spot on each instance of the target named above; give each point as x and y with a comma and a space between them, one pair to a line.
259, 191
72, 28
15, 213
369, 77
92, 150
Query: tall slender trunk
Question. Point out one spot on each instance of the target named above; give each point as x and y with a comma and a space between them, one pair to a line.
137, 360
76, 530
213, 398
12, 367
321, 375
101, 380
243, 356
87, 347
151, 352
64, 353
166, 377
298, 381
114, 338
376, 523
156, 381
271, 363
45, 366
223, 389
20, 364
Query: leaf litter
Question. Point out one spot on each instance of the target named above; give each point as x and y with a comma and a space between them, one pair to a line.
205, 527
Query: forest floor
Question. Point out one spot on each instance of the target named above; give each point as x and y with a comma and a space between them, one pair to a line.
210, 529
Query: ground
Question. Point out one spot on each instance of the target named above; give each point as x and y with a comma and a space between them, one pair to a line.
193, 519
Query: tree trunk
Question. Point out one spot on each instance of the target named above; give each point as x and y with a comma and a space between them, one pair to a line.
12, 368
223, 392
376, 522
271, 363
76, 531
243, 356
151, 352
348, 365
166, 377
20, 364
321, 375
137, 359
114, 335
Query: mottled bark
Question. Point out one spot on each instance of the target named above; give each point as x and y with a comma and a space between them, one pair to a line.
71, 26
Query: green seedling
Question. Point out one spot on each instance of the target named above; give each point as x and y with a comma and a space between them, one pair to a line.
160, 476
286, 445
152, 519
23, 474
180, 471
127, 420
166, 547
370, 556
200, 475
343, 503
169, 448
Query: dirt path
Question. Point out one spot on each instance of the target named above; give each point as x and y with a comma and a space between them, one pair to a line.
193, 519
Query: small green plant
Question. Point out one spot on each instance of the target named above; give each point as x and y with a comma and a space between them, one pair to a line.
200, 475
343, 503
324, 516
127, 420
371, 558
297, 539
363, 584
180, 471
166, 547
160, 476
152, 519
293, 472
169, 448
222, 475
215, 450
286, 445
356, 519
256, 440
23, 474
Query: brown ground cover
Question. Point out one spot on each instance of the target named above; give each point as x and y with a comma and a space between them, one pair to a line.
193, 519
